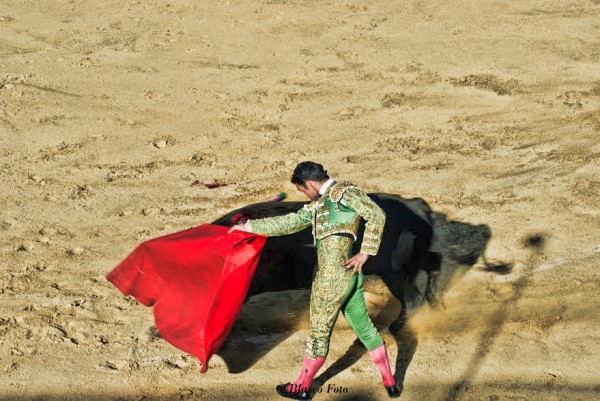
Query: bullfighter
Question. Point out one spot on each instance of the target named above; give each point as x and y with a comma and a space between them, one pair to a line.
334, 213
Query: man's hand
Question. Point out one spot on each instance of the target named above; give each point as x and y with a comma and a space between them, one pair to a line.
356, 262
240, 227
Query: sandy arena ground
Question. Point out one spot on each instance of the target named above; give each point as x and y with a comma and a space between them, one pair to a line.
489, 110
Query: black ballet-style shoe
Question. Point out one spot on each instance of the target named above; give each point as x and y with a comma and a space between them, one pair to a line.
393, 391
300, 395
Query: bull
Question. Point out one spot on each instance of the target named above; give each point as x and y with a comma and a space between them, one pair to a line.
287, 262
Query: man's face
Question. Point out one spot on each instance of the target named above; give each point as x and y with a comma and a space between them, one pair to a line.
309, 190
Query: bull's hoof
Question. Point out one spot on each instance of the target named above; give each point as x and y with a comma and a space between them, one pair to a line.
393, 391
434, 302
295, 395
439, 305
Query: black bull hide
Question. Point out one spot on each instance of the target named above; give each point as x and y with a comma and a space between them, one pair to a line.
287, 262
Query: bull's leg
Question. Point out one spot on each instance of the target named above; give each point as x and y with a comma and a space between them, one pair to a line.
414, 298
433, 270
431, 290
395, 283
410, 298
400, 321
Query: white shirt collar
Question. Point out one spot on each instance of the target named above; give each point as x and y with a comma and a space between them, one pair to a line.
325, 186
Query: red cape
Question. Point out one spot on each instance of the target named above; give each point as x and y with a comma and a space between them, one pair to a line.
197, 281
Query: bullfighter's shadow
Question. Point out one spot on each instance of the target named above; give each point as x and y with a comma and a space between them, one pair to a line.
462, 246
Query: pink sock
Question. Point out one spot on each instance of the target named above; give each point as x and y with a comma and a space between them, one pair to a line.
380, 358
309, 370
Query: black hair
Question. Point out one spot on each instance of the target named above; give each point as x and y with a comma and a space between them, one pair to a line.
308, 171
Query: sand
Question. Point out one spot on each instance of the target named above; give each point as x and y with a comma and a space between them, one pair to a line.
489, 110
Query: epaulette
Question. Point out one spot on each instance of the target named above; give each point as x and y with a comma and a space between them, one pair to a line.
338, 189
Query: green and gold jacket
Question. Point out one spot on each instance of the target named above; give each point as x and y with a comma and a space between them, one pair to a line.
337, 211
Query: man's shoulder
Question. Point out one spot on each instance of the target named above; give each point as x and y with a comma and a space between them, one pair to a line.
338, 189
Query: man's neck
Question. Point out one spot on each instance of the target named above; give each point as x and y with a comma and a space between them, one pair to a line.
325, 185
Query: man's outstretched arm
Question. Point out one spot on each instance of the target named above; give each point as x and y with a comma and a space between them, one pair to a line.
279, 225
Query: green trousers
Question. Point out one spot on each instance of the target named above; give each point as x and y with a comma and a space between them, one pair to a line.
335, 290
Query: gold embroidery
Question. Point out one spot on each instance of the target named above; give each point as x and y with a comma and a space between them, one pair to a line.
328, 291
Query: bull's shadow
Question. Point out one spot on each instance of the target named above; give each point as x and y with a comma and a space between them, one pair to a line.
287, 264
